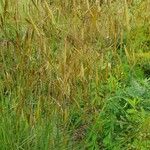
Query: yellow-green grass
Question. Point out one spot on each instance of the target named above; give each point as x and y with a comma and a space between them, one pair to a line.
70, 74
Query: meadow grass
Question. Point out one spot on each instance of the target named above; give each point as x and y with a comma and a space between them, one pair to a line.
75, 74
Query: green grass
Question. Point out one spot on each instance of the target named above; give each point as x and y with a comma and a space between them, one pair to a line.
75, 75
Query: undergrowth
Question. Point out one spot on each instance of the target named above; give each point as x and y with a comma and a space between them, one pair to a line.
75, 74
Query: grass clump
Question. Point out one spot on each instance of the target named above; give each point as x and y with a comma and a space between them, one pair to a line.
74, 75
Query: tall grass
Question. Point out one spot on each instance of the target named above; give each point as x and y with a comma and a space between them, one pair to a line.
74, 74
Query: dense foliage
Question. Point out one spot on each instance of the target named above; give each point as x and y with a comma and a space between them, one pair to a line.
75, 74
